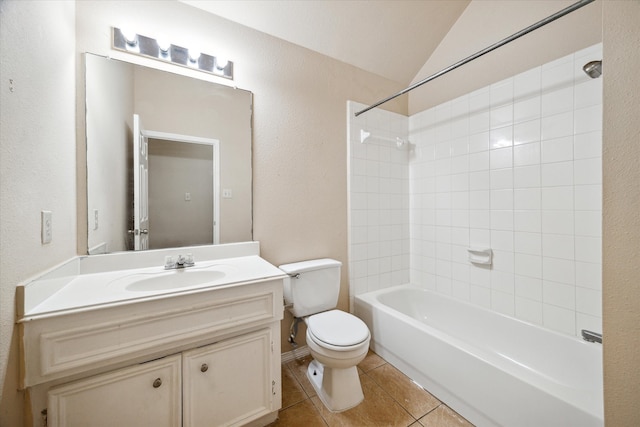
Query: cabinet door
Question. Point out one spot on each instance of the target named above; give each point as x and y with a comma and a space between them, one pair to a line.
228, 383
143, 395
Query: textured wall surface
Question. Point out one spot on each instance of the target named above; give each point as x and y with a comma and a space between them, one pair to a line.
621, 218
37, 161
486, 22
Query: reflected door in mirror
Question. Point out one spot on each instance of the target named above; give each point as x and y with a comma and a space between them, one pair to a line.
140, 186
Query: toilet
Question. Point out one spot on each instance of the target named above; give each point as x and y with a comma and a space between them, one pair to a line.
337, 340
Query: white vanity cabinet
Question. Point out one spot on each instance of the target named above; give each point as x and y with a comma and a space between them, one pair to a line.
197, 356
149, 394
228, 383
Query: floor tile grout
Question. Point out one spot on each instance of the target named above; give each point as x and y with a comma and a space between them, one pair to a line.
295, 373
389, 394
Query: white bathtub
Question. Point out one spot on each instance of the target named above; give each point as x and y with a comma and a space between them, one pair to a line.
492, 369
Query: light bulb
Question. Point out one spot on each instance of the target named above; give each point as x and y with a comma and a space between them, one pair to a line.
194, 54
164, 46
129, 36
221, 62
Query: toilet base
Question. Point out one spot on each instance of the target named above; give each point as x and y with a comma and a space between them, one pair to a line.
338, 389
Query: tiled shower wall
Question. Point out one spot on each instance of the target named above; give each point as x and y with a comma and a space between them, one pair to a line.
378, 201
514, 167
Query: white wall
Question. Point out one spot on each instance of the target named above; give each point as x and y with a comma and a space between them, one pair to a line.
515, 167
378, 200
37, 161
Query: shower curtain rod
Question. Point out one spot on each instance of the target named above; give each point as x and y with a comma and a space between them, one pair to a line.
478, 54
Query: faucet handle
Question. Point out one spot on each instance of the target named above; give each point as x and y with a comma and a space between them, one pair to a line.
169, 262
189, 259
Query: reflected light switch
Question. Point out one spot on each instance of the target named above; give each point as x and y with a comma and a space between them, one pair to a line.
187, 197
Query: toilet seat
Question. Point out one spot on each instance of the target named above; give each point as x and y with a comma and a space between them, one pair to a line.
337, 330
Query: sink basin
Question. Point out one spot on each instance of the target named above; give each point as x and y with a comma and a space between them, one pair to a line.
166, 280
175, 279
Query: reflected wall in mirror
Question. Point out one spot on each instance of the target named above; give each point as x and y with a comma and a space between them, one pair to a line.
186, 191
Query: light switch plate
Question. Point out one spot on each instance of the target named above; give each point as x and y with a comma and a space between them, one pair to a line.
46, 227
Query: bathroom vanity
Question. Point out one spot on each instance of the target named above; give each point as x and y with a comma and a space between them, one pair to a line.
118, 340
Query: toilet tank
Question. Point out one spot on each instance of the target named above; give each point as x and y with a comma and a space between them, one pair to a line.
312, 286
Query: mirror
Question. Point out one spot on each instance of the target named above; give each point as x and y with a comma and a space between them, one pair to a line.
196, 137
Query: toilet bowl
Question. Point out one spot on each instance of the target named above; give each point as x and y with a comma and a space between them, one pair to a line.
337, 340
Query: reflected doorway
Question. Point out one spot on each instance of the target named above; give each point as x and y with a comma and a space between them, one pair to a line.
183, 190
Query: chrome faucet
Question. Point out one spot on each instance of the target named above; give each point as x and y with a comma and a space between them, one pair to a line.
182, 261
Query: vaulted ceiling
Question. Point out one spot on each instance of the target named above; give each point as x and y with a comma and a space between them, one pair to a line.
391, 38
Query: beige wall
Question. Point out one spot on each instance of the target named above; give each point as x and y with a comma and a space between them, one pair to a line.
299, 123
486, 22
109, 127
621, 213
176, 168
175, 104
299, 156
37, 161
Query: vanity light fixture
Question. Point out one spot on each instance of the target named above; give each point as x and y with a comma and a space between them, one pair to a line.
138, 44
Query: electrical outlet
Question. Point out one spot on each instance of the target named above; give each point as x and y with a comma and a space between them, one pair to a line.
95, 219
46, 227
227, 193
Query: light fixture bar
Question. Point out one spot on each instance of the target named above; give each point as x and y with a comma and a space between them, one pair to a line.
151, 48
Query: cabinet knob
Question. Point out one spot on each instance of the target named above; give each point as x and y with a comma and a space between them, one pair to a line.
204, 367
157, 383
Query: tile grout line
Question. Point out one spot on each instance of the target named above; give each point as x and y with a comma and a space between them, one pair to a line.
393, 398
380, 386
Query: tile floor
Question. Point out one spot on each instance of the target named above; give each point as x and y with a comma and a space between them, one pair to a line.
390, 399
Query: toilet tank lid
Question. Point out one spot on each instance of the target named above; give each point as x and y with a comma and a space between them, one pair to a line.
310, 265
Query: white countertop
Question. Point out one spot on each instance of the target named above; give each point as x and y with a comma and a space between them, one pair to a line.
74, 290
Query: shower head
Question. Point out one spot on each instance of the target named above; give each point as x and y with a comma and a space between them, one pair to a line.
593, 69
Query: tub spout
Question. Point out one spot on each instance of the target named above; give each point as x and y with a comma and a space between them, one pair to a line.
591, 336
